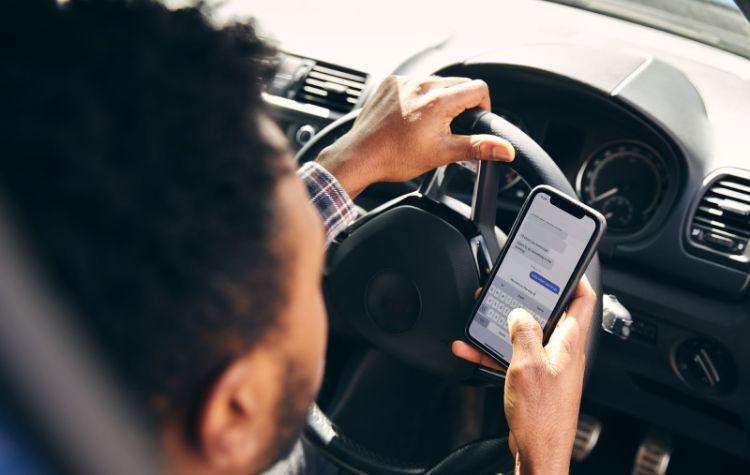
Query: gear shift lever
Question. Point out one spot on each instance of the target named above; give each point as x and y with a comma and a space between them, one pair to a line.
616, 319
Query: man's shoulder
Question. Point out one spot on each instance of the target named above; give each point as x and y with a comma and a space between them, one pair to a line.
303, 459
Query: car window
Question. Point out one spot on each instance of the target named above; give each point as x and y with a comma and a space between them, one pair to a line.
716, 22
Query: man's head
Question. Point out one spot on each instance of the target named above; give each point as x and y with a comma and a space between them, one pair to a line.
138, 162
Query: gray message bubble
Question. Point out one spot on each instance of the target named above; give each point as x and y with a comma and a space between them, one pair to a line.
544, 234
533, 253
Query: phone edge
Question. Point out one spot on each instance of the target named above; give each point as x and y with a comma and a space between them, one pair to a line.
581, 267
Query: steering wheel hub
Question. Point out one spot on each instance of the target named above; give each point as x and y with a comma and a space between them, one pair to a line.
385, 267
393, 301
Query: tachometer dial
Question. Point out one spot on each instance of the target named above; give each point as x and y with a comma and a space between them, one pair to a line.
619, 211
625, 181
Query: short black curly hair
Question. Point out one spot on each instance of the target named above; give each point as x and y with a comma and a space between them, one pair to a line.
133, 157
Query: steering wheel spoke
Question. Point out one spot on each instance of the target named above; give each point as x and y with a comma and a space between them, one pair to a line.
483, 211
484, 205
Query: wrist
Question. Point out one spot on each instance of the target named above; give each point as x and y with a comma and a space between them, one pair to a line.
340, 162
541, 464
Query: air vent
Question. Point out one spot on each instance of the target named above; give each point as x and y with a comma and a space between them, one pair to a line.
332, 87
722, 218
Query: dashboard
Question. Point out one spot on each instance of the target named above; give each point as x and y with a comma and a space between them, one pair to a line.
649, 127
617, 162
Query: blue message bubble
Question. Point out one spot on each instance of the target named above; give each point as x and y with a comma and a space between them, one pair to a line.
544, 282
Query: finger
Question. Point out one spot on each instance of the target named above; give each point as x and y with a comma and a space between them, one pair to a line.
525, 335
477, 293
469, 353
453, 100
569, 337
437, 82
565, 342
478, 147
582, 305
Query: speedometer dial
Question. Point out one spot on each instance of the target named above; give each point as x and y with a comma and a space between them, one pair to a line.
625, 181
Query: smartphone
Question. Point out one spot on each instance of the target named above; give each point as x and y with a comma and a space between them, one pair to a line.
548, 249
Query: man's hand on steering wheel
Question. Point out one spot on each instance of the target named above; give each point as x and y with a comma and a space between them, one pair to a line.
543, 384
404, 131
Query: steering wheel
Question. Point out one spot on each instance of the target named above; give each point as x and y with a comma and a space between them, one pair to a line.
403, 277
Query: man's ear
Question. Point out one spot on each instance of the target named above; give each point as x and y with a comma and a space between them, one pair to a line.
231, 419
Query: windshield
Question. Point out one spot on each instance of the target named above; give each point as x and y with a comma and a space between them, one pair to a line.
716, 22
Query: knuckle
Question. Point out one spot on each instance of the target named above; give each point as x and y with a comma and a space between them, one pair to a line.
523, 326
526, 370
515, 372
517, 325
393, 80
482, 86
474, 151
537, 330
428, 81
570, 346
425, 84
434, 102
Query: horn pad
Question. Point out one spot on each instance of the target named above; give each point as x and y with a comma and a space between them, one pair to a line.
405, 281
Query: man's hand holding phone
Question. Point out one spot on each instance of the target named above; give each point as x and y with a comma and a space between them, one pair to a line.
543, 383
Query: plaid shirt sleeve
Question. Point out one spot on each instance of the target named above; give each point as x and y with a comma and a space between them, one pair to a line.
329, 197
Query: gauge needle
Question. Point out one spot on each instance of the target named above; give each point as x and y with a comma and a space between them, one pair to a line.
606, 194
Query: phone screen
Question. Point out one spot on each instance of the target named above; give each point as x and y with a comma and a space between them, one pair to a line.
541, 258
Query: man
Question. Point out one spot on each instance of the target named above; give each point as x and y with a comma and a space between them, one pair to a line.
139, 162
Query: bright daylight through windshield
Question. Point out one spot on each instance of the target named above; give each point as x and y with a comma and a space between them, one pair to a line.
715, 22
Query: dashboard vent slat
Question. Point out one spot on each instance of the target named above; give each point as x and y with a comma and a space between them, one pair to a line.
332, 87
729, 193
314, 87
737, 186
721, 221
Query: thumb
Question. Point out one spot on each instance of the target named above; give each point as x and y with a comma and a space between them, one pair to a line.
525, 335
479, 147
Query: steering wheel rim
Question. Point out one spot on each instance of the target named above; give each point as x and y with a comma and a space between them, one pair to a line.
536, 167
